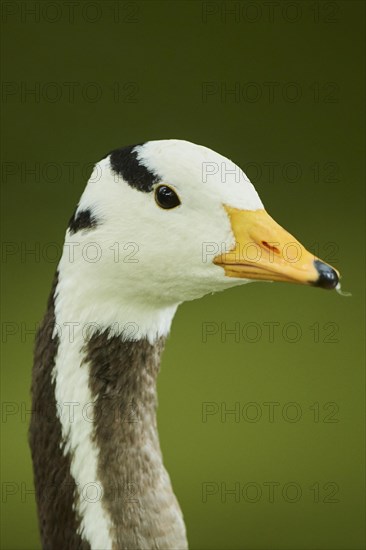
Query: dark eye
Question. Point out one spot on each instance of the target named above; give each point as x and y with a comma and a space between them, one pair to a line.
166, 197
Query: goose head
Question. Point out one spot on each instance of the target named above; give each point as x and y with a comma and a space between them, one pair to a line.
169, 221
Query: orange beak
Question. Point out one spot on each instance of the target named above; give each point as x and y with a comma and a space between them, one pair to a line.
266, 251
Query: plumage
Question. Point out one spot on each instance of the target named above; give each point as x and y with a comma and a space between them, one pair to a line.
158, 224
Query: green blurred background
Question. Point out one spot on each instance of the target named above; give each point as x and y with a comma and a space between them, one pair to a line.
107, 74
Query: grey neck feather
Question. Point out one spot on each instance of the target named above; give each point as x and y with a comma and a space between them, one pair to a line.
137, 492
54, 485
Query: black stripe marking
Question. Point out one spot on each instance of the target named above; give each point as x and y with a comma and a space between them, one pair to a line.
125, 163
55, 487
82, 220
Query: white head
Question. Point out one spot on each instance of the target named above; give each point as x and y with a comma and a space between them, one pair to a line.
156, 247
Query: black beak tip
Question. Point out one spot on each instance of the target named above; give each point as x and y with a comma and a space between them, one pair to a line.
328, 277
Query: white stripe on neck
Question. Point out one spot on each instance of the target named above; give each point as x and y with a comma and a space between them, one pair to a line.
77, 315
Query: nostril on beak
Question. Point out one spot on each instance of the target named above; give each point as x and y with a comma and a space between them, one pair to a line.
328, 277
270, 247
